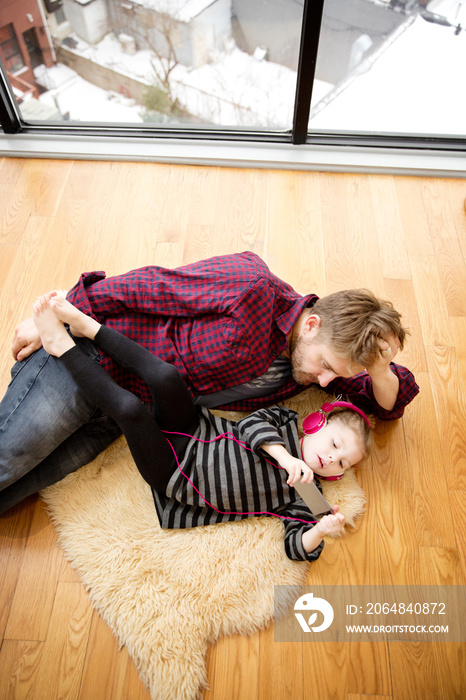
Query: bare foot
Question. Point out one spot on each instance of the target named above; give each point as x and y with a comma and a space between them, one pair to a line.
80, 324
53, 334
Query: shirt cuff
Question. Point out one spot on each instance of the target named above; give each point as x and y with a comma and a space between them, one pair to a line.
78, 295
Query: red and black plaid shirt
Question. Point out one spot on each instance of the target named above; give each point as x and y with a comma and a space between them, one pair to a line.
221, 322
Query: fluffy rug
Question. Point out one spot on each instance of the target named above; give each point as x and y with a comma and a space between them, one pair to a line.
167, 595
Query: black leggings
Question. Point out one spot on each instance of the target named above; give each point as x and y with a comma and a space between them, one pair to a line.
172, 409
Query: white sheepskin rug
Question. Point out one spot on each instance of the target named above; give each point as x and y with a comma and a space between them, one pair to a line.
168, 595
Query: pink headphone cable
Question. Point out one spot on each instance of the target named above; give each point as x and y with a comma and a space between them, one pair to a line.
228, 436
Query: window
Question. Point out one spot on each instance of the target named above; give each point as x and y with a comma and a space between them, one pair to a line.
60, 16
391, 67
9, 49
176, 63
365, 73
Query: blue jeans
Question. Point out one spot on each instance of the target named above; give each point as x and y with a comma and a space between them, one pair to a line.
48, 428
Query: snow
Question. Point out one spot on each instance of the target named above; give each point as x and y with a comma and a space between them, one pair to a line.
84, 101
182, 10
234, 89
414, 85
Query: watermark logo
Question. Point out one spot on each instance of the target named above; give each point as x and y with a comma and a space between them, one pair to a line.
308, 604
379, 613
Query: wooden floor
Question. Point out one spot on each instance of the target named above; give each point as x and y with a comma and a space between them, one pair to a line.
405, 238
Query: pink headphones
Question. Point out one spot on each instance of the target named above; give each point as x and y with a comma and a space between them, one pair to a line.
318, 420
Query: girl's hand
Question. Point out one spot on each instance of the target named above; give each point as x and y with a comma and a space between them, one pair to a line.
331, 523
294, 466
297, 470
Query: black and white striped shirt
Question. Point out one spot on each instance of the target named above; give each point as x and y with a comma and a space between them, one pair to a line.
237, 481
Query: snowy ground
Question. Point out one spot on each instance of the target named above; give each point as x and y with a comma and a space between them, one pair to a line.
415, 85
234, 89
83, 101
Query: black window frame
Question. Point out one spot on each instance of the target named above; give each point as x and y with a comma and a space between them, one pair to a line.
12, 123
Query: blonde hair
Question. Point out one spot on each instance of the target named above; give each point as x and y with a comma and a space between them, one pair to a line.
351, 322
357, 424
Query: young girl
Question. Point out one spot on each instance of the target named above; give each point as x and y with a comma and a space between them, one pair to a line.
205, 469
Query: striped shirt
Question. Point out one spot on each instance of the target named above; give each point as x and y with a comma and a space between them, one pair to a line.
237, 481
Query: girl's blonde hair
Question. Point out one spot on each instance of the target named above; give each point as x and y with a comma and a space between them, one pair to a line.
356, 423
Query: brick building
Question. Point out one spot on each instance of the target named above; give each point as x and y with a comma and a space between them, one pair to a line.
25, 42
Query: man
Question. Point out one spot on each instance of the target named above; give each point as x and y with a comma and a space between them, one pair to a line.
240, 337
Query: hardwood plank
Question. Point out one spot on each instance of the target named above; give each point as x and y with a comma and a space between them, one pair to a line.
441, 221
440, 566
453, 193
346, 235
402, 295
294, 213
10, 170
82, 180
137, 200
369, 669
274, 683
359, 696
433, 312
65, 646
34, 595
434, 525
450, 406
396, 527
45, 181
133, 689
203, 194
452, 272
458, 508
331, 656
389, 227
353, 558
14, 532
6, 261
459, 334
19, 669
198, 245
169, 254
413, 216
106, 667
15, 209
362, 228
236, 672
434, 670
241, 212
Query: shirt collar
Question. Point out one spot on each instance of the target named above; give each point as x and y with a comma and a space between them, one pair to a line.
288, 318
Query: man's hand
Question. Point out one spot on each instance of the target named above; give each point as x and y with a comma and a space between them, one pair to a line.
26, 340
385, 384
387, 351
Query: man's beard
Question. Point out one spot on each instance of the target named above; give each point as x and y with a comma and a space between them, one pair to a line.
297, 353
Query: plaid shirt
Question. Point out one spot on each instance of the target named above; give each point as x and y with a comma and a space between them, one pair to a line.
221, 322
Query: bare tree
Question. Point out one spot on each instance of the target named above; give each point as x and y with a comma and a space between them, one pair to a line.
156, 30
